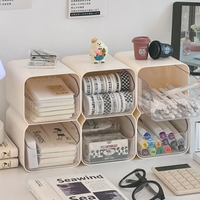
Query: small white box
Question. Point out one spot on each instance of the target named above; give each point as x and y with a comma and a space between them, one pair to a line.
105, 151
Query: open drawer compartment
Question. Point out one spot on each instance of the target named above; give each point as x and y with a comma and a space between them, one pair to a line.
46, 145
52, 107
51, 145
161, 138
108, 93
108, 139
83, 66
18, 74
155, 100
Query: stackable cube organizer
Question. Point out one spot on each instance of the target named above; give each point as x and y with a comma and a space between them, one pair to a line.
155, 74
17, 121
144, 74
82, 65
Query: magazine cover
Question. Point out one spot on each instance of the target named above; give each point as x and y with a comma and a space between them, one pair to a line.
75, 187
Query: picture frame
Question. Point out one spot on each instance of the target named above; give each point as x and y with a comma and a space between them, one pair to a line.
186, 14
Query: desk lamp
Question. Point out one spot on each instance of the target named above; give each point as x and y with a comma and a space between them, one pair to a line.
2, 75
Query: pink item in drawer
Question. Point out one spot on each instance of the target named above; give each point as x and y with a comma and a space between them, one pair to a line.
195, 48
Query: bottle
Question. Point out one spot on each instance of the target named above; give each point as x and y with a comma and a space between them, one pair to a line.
186, 44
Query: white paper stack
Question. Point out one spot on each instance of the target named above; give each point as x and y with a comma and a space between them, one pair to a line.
48, 99
54, 145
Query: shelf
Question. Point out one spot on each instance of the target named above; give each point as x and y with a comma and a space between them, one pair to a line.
17, 76
82, 65
16, 128
108, 140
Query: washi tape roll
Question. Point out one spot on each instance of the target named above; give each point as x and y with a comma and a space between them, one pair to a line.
122, 101
128, 99
118, 82
114, 103
87, 105
103, 87
87, 85
107, 103
99, 104
119, 101
95, 84
124, 80
114, 84
109, 83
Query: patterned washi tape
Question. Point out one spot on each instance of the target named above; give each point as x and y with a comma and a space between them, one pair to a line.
87, 85
117, 81
95, 84
109, 83
93, 104
124, 80
99, 104
122, 101
128, 99
114, 82
107, 103
102, 84
114, 103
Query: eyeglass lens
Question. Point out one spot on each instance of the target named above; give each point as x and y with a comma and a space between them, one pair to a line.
132, 178
146, 190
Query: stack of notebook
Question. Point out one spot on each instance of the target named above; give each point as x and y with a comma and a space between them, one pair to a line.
8, 154
54, 145
48, 99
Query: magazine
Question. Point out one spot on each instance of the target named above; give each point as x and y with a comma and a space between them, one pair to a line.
75, 187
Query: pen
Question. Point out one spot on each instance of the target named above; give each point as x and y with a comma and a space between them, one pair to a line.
160, 150
180, 140
152, 151
143, 151
153, 127
193, 102
182, 102
179, 125
169, 101
170, 135
142, 142
167, 148
182, 88
143, 132
150, 142
157, 141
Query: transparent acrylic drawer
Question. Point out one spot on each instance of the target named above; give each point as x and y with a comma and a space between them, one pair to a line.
108, 139
161, 138
153, 100
52, 107
52, 145
106, 93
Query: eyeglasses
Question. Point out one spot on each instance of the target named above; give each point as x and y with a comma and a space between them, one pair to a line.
143, 188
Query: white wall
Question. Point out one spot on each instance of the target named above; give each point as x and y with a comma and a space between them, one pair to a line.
46, 25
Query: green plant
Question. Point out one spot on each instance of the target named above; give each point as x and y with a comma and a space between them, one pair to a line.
195, 27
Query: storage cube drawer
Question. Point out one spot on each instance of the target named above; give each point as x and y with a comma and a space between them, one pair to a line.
109, 139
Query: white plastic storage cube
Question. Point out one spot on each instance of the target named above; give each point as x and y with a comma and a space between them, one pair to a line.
110, 139
155, 77
166, 138
102, 92
17, 77
38, 152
